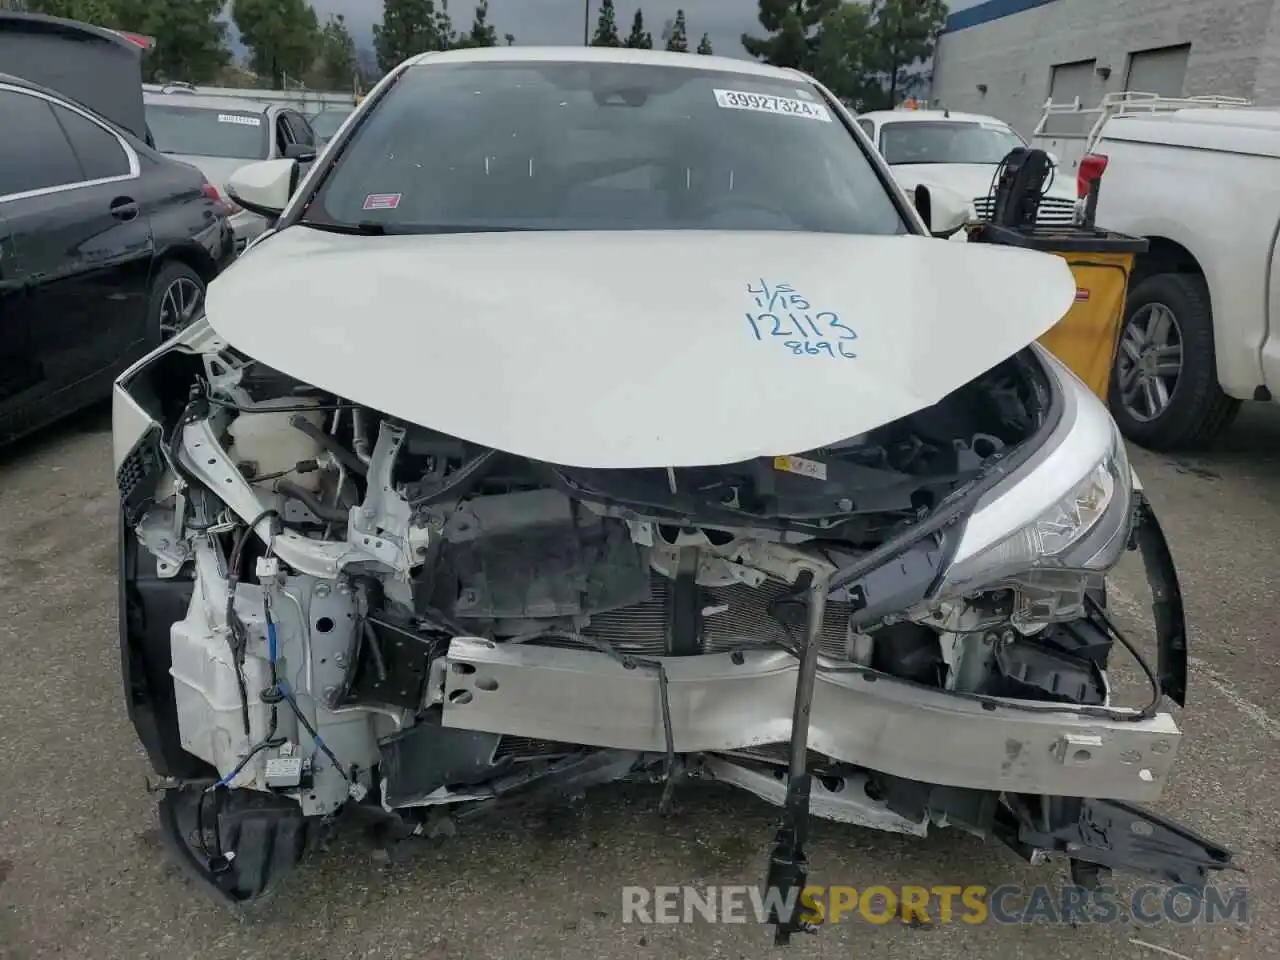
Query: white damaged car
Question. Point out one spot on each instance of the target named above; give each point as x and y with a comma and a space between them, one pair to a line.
592, 414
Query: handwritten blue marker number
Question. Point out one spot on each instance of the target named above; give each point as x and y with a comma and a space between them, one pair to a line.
783, 314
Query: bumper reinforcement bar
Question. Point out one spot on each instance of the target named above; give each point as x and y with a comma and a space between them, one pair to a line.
727, 702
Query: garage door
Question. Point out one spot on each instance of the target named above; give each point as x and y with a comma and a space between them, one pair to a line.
1158, 71
1066, 82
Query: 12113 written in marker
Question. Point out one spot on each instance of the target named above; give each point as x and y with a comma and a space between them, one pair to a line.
784, 316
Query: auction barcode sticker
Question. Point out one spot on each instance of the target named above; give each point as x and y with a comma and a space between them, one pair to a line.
241, 119
767, 103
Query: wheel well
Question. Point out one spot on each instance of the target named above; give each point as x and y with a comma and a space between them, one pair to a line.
1163, 256
195, 257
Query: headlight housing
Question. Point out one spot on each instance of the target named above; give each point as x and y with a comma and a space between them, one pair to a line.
1051, 555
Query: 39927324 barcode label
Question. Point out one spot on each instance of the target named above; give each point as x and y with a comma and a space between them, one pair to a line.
768, 103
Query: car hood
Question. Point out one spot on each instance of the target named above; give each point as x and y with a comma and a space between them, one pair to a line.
632, 348
969, 179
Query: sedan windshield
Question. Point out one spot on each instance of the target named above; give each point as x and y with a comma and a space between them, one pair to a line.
207, 131
601, 146
946, 141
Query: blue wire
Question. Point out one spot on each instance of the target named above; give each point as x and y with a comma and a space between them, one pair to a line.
272, 651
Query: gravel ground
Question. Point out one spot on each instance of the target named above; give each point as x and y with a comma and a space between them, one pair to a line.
82, 873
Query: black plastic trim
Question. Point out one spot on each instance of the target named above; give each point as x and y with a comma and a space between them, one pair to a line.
267, 835
1166, 601
147, 607
1120, 836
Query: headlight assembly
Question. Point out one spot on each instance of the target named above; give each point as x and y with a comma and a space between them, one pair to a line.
1051, 554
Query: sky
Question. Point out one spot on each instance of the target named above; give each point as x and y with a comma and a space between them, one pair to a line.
560, 21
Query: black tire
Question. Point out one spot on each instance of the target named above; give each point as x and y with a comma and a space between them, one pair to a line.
174, 276
1197, 410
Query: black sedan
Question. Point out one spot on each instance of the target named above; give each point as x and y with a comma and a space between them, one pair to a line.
106, 246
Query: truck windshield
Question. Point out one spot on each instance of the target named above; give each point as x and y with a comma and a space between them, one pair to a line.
946, 141
602, 146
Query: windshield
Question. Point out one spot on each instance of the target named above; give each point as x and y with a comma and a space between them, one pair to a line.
208, 132
947, 141
592, 146
326, 123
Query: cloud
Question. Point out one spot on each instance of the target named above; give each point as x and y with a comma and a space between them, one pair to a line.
536, 22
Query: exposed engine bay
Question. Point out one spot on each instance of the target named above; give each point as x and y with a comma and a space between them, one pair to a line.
325, 607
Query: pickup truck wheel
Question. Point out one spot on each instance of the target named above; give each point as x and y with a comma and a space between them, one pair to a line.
1164, 384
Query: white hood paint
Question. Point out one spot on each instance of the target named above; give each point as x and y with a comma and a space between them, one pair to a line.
970, 179
634, 349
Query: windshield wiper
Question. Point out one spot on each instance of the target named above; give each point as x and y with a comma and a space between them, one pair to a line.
364, 228
368, 228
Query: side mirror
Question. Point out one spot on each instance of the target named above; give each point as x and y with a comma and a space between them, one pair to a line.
300, 152
264, 188
944, 211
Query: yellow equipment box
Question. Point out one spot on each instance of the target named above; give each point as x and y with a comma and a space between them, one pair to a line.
1087, 337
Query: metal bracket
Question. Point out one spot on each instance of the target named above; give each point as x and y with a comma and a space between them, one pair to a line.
383, 525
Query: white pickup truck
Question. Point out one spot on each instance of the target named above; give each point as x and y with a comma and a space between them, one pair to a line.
1200, 179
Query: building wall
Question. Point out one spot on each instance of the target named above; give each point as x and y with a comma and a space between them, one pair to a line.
1010, 46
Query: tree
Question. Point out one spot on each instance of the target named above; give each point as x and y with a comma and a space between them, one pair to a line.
639, 38
510, 38
408, 27
904, 33
793, 27
282, 36
444, 27
482, 33
99, 12
606, 34
844, 59
678, 36
704, 46
336, 67
191, 40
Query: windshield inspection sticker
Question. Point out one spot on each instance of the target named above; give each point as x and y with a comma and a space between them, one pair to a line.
238, 119
382, 201
783, 316
815, 469
763, 103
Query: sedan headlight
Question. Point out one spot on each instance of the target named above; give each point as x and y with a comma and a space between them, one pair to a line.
1051, 554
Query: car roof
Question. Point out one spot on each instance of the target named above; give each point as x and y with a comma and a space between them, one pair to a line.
943, 116
1251, 131
1265, 119
241, 104
14, 81
622, 55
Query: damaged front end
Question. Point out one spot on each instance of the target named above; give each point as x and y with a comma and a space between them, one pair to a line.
325, 607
